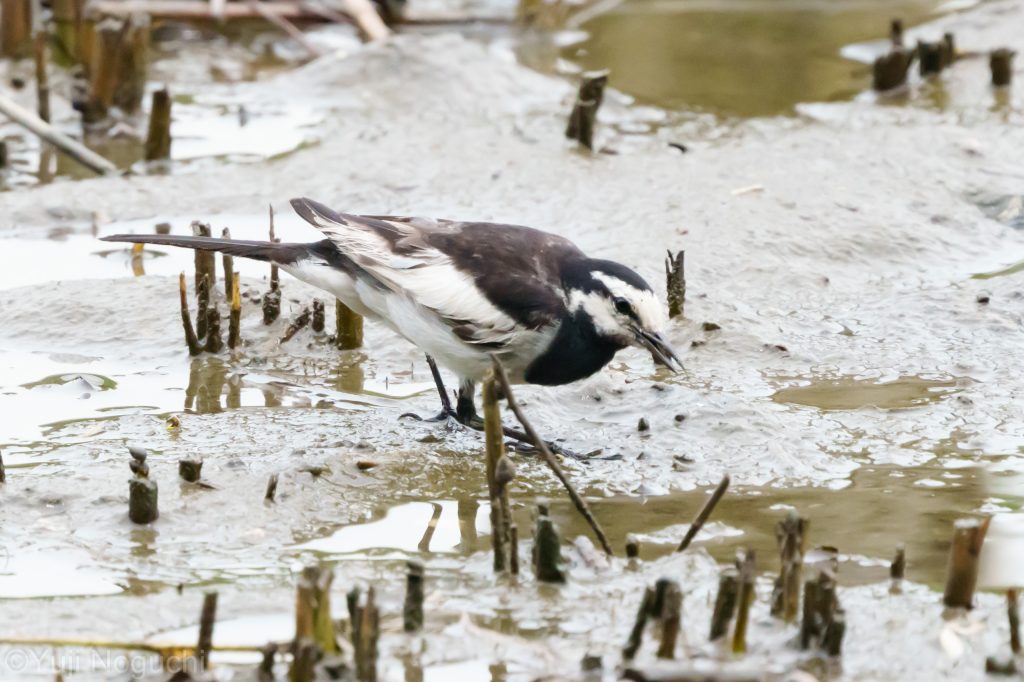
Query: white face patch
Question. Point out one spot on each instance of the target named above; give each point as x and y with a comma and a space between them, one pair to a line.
647, 306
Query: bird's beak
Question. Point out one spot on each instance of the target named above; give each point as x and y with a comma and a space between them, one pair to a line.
659, 348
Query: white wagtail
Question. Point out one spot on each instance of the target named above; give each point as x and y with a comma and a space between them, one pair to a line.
462, 291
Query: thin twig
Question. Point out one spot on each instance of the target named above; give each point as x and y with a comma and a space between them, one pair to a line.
704, 513
542, 447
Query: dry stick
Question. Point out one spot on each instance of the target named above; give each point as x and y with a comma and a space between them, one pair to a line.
675, 283
542, 447
186, 320
636, 635
349, 327
1001, 62
725, 603
228, 264
158, 137
190, 469
494, 444
44, 130
584, 111
42, 76
704, 513
235, 319
747, 563
206, 621
791, 535
671, 612
286, 26
412, 610
319, 317
297, 324
968, 536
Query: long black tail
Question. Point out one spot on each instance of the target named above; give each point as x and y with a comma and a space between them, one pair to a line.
282, 254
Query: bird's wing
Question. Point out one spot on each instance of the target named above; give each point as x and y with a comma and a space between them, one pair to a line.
488, 282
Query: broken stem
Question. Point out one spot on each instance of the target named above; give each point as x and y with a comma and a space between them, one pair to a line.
704, 513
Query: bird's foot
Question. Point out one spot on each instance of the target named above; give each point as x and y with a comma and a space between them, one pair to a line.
446, 417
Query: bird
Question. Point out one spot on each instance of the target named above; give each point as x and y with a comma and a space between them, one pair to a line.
466, 292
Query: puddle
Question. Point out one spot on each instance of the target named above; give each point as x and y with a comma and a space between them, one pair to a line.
737, 57
852, 393
59, 571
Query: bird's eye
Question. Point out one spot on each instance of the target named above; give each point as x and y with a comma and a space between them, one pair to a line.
623, 306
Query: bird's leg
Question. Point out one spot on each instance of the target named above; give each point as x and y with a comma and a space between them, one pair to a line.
446, 403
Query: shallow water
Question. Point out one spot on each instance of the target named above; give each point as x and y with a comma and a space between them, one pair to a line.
854, 375
738, 57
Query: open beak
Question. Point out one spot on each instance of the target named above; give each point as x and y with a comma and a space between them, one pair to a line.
659, 349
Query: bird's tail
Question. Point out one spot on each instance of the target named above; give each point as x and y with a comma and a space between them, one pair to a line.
281, 254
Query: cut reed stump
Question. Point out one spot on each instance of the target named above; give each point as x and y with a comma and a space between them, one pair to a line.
207, 618
42, 55
205, 261
104, 71
158, 137
319, 318
214, 340
191, 340
494, 443
949, 55
3, 471
271, 491
271, 306
725, 603
636, 635
824, 622
962, 576
1001, 64
349, 327
896, 32
228, 265
929, 58
190, 470
890, 70
897, 569
675, 283
235, 319
68, 18
133, 62
632, 547
15, 28
1013, 616
791, 536
412, 610
547, 549
669, 614
584, 111
746, 562
202, 301
142, 491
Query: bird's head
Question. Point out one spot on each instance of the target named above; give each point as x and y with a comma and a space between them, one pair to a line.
623, 309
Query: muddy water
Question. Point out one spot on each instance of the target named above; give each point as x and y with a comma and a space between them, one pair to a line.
855, 375
737, 57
